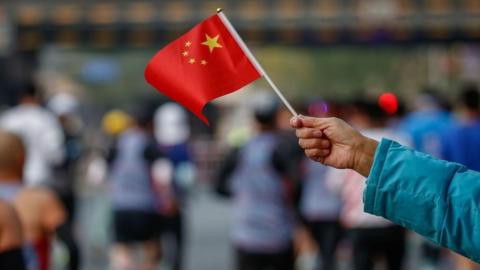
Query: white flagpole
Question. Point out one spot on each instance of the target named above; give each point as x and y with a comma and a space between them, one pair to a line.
252, 58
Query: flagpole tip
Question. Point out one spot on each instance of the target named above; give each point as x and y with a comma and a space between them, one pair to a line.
219, 10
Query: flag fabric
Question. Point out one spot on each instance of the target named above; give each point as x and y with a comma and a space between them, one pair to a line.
205, 63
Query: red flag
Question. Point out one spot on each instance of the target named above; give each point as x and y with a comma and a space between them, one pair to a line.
205, 63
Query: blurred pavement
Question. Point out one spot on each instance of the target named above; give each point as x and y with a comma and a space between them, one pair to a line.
207, 235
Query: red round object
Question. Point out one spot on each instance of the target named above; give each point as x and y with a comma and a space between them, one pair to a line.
388, 102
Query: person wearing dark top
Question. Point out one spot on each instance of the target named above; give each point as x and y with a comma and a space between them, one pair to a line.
65, 108
461, 142
173, 174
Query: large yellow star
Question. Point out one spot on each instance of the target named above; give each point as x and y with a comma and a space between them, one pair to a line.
212, 43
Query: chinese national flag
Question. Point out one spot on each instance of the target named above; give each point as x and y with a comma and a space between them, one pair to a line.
205, 63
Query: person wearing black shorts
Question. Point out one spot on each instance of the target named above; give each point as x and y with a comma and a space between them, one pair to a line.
135, 203
135, 226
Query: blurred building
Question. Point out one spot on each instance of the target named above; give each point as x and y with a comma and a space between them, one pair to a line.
141, 23
27, 26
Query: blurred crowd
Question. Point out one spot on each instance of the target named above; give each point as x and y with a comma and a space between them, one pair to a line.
288, 212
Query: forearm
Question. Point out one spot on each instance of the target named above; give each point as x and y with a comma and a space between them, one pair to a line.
364, 156
434, 198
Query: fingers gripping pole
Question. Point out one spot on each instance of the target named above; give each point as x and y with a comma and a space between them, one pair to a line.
254, 61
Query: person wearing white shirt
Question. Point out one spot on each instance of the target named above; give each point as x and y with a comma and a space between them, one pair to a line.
41, 133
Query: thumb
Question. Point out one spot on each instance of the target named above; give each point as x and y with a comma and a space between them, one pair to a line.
295, 122
307, 121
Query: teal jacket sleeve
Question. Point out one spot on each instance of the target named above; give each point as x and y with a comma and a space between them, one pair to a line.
437, 199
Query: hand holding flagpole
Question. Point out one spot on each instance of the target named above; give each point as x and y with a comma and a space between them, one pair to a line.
254, 60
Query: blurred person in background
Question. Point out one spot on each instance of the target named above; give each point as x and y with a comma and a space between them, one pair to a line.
372, 237
41, 132
320, 206
255, 176
462, 143
307, 255
134, 201
114, 123
40, 211
65, 107
173, 175
11, 238
425, 127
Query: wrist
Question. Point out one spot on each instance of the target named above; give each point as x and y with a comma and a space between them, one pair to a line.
365, 155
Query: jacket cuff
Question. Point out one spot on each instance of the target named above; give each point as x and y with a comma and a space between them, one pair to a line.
373, 179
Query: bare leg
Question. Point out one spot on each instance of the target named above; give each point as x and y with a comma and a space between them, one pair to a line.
121, 257
151, 253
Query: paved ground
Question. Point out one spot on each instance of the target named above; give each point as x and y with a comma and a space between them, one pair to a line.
208, 222
207, 247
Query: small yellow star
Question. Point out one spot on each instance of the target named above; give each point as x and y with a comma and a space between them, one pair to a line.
203, 62
188, 43
185, 53
212, 43
191, 61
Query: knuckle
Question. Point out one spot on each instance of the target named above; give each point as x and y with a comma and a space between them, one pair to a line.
311, 153
334, 120
301, 142
310, 143
303, 133
313, 143
307, 144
